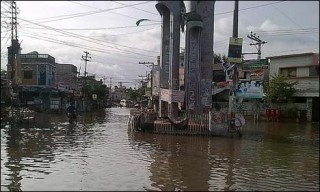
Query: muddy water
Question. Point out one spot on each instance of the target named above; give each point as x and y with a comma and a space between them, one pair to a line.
101, 154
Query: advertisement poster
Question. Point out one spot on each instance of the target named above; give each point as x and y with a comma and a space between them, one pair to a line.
250, 89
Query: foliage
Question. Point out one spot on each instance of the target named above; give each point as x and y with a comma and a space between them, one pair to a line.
95, 88
218, 58
101, 91
290, 111
134, 94
280, 90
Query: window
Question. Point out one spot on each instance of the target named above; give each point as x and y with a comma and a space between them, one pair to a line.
314, 71
27, 74
289, 72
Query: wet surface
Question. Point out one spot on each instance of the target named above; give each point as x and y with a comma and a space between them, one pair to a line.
99, 153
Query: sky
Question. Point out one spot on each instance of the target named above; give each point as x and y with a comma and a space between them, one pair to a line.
108, 31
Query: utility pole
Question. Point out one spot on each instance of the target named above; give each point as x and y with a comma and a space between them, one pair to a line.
259, 42
235, 72
104, 80
110, 80
151, 78
85, 58
13, 51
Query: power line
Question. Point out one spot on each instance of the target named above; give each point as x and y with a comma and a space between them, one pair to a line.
137, 8
103, 35
249, 8
287, 30
83, 14
70, 44
101, 9
86, 38
100, 28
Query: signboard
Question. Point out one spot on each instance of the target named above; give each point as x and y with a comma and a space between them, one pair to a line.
148, 92
250, 89
155, 80
235, 50
257, 75
172, 96
94, 96
219, 121
255, 64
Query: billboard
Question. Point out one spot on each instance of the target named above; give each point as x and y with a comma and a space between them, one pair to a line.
250, 89
255, 64
235, 50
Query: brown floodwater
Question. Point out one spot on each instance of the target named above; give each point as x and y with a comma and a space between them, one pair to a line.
101, 154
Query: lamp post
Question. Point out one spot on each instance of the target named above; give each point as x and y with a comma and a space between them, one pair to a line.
151, 79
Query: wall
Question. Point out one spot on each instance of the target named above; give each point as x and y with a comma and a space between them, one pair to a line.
66, 74
307, 86
290, 61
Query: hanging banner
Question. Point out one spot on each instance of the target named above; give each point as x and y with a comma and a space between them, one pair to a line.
235, 50
172, 96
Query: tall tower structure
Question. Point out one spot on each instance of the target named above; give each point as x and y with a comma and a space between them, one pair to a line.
13, 51
199, 55
170, 12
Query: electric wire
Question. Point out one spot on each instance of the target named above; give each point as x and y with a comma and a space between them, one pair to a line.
137, 8
86, 39
64, 17
110, 46
249, 8
71, 44
100, 28
101, 9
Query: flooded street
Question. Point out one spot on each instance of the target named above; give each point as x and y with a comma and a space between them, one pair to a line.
101, 154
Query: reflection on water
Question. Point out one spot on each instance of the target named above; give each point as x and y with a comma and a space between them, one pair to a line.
100, 153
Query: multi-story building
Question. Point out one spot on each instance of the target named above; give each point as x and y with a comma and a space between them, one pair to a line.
303, 68
37, 70
118, 93
37, 79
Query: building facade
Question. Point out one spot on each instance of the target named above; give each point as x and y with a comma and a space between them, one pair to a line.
118, 93
37, 70
66, 77
303, 68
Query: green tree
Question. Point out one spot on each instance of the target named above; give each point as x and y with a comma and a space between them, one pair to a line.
134, 94
280, 90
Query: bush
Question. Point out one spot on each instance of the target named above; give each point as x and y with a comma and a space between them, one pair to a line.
291, 112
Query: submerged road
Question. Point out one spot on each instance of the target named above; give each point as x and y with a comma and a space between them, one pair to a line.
101, 154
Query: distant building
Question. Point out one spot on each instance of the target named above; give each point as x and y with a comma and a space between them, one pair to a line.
66, 77
118, 93
37, 70
303, 68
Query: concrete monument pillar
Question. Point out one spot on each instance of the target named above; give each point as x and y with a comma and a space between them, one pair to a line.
170, 46
199, 55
